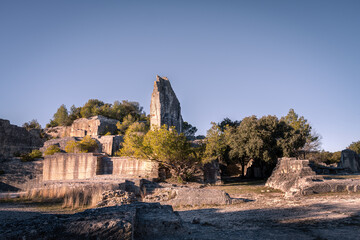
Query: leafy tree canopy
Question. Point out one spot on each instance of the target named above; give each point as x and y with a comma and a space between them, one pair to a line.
355, 146
95, 107
33, 124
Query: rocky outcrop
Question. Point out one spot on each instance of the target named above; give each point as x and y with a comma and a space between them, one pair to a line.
93, 126
165, 107
14, 139
287, 172
299, 177
183, 195
128, 222
112, 198
350, 161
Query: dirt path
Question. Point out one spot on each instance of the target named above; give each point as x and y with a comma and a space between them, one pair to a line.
273, 217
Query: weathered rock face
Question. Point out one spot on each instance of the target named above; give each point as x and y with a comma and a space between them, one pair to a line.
165, 107
298, 177
287, 172
72, 166
93, 126
183, 196
350, 161
132, 221
14, 139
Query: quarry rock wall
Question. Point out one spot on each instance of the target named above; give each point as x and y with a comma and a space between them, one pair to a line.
93, 126
165, 107
14, 139
73, 166
69, 166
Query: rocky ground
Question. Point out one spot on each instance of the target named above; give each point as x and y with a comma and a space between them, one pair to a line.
263, 213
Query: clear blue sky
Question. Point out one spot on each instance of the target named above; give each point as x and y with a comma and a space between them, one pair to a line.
223, 58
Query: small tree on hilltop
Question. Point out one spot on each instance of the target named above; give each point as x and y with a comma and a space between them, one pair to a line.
33, 124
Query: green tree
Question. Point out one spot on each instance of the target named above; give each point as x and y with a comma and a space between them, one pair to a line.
133, 140
215, 144
189, 130
227, 122
297, 135
91, 108
123, 126
75, 113
87, 144
51, 150
61, 117
33, 124
355, 146
164, 146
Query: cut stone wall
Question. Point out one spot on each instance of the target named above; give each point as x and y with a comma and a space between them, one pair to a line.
165, 107
72, 166
14, 139
69, 166
109, 144
93, 126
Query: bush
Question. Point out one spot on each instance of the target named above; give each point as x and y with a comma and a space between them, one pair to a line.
86, 145
51, 150
31, 156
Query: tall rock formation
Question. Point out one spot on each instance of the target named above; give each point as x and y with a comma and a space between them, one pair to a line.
165, 107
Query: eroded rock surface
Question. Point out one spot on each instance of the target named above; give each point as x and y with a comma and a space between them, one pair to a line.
93, 126
184, 196
350, 161
165, 107
133, 221
14, 139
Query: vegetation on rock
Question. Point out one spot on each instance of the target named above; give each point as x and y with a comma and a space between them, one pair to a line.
87, 144
51, 150
35, 154
94, 107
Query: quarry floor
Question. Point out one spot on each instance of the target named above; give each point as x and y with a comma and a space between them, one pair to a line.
264, 214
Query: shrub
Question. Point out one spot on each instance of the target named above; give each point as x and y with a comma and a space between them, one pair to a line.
71, 147
86, 145
51, 150
31, 156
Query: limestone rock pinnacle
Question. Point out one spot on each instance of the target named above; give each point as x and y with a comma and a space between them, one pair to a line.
165, 107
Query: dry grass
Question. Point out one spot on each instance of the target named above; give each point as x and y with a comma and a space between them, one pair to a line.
73, 197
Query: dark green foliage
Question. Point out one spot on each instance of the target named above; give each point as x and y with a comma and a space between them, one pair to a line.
227, 122
262, 140
189, 130
87, 144
35, 154
355, 146
51, 150
162, 145
33, 124
95, 107
324, 157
